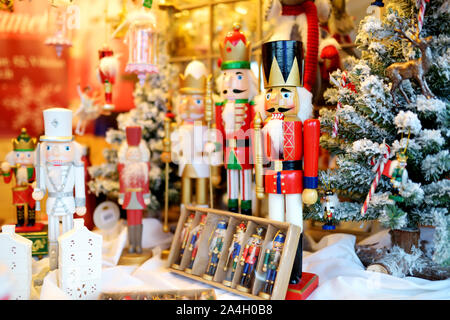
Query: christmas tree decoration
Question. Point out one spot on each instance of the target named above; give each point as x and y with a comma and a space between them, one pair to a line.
60, 171
215, 249
134, 193
88, 110
234, 252
58, 26
373, 118
107, 72
20, 164
288, 135
272, 258
249, 259
233, 116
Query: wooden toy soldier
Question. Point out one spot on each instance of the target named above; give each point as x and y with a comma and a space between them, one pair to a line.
233, 253
189, 138
59, 170
184, 238
272, 258
249, 259
134, 193
396, 170
329, 210
289, 135
234, 114
20, 164
193, 244
215, 249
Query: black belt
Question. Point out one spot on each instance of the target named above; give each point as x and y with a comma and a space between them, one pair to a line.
239, 143
287, 165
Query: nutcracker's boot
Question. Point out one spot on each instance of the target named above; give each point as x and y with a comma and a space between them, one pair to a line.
233, 205
131, 237
138, 239
20, 216
296, 273
53, 255
31, 216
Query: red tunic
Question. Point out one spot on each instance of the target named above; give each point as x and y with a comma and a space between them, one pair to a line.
138, 186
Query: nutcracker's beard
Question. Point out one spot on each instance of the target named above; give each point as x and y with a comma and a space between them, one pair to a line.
135, 174
274, 128
191, 116
228, 117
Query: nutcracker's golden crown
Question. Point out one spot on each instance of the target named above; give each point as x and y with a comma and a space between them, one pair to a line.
194, 79
24, 142
235, 51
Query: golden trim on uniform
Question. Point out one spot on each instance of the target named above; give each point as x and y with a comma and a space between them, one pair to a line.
276, 78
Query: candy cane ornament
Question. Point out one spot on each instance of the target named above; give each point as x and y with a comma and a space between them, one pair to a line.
420, 16
379, 167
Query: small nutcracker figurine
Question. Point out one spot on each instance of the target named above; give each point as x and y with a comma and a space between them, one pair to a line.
215, 249
233, 253
193, 244
184, 238
187, 142
289, 141
20, 164
272, 258
249, 259
329, 210
59, 170
396, 170
233, 117
134, 193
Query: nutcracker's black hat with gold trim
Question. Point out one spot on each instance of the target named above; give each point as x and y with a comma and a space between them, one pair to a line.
282, 63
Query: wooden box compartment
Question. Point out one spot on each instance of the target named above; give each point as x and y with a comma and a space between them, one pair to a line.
200, 265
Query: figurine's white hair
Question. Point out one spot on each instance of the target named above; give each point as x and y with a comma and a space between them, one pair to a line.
145, 152
253, 86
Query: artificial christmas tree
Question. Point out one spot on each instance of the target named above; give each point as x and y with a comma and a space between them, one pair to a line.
373, 124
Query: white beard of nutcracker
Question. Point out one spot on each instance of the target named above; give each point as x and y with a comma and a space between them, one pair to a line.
61, 170
289, 136
189, 138
238, 87
134, 193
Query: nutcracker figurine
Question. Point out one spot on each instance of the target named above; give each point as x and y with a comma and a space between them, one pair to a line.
329, 210
396, 170
184, 237
249, 259
107, 71
59, 170
233, 253
193, 244
272, 258
289, 135
233, 117
20, 163
134, 193
215, 249
187, 140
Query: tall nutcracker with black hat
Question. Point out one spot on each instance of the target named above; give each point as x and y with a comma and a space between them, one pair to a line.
290, 139
234, 114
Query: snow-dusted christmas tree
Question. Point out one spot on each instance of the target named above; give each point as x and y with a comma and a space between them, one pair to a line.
151, 102
371, 121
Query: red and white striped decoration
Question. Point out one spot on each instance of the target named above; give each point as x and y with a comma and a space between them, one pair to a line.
422, 5
277, 116
379, 167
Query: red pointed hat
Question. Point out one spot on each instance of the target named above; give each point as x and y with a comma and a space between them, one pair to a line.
134, 134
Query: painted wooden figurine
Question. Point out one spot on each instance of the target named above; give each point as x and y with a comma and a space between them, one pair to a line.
215, 249
134, 191
193, 244
249, 259
20, 164
184, 238
396, 170
59, 170
288, 136
15, 254
80, 262
233, 253
189, 137
233, 117
272, 258
330, 202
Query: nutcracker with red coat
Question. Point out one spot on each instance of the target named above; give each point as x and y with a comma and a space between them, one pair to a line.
134, 193
289, 141
234, 114
20, 164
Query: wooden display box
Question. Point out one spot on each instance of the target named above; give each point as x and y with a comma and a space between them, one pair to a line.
201, 261
191, 294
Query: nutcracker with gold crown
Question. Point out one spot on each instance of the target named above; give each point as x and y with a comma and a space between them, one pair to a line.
184, 238
233, 117
20, 164
187, 141
288, 141
249, 259
134, 191
60, 171
233, 253
193, 244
